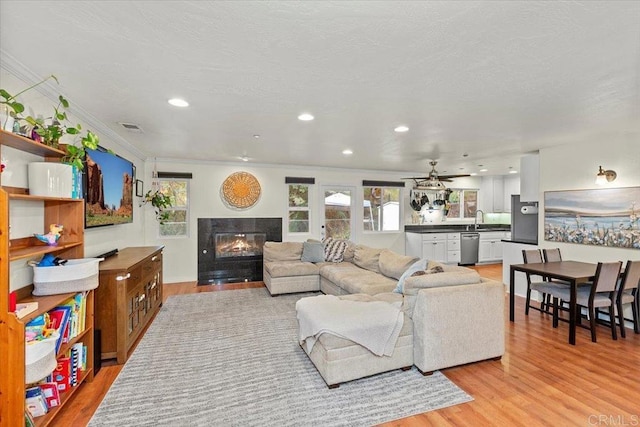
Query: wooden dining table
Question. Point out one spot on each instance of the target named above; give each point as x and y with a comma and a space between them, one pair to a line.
573, 272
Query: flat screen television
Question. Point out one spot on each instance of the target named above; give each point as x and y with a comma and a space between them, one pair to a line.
108, 181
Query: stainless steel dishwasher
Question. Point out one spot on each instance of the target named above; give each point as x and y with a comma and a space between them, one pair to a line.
469, 244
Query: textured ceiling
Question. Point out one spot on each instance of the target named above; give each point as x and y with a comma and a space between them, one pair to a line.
489, 79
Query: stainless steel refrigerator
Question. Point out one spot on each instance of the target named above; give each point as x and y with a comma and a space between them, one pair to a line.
524, 220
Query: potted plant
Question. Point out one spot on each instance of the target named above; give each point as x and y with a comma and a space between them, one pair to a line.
51, 129
12, 108
160, 202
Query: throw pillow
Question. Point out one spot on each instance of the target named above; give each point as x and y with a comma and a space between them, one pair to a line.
417, 266
334, 250
312, 252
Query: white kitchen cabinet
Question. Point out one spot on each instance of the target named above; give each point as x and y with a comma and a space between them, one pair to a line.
490, 249
529, 178
431, 246
511, 187
453, 248
491, 194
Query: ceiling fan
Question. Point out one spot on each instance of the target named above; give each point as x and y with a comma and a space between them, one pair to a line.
434, 181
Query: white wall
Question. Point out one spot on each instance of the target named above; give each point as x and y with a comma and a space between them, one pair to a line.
180, 260
574, 167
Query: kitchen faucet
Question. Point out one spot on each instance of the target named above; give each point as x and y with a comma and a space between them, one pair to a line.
475, 219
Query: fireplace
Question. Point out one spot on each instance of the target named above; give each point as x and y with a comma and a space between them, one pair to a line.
230, 249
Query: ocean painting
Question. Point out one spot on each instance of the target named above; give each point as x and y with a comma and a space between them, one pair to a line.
599, 217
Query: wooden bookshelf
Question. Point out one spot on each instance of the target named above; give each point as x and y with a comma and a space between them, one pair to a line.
70, 213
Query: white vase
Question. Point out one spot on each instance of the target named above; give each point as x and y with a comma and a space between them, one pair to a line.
6, 121
50, 179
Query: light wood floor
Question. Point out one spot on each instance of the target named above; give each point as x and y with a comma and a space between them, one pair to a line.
541, 380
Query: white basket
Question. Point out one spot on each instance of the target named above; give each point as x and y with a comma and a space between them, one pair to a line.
40, 359
75, 276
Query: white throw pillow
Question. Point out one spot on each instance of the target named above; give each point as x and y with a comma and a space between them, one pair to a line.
421, 264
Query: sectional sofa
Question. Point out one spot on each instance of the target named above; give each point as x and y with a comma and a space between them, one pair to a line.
450, 318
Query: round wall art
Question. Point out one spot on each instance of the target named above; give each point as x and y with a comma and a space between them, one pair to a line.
240, 190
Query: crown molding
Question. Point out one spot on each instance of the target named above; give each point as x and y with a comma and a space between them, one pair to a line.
51, 91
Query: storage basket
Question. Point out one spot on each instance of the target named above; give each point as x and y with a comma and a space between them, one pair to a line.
75, 276
40, 358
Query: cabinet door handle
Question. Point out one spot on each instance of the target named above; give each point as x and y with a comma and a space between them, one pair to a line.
125, 277
142, 297
155, 257
154, 285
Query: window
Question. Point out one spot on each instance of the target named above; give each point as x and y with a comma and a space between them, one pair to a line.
462, 204
177, 222
381, 208
298, 211
338, 211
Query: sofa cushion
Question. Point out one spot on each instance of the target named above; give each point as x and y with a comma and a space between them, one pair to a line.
282, 251
290, 268
312, 252
350, 251
367, 258
447, 278
334, 249
394, 265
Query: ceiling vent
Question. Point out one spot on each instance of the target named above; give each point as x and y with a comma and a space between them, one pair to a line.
131, 127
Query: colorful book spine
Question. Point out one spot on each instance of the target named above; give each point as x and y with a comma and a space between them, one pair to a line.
75, 361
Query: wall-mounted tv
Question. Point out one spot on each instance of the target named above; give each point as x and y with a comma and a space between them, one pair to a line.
108, 189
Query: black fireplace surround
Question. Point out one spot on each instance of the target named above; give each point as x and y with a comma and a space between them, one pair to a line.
230, 249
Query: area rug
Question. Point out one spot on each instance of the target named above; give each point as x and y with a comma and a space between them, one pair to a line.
231, 358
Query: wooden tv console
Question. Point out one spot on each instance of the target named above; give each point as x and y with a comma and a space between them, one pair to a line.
129, 296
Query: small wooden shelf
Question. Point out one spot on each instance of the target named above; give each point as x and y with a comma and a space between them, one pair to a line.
45, 303
30, 146
32, 251
29, 197
64, 397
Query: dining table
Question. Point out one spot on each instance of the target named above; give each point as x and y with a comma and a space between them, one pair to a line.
572, 272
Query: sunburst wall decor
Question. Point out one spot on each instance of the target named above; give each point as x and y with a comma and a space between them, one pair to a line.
240, 190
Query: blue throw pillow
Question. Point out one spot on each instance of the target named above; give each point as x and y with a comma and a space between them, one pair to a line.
421, 264
312, 252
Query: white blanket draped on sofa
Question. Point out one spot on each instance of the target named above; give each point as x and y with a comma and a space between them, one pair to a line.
374, 325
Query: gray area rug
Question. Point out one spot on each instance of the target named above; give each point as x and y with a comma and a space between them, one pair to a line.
231, 358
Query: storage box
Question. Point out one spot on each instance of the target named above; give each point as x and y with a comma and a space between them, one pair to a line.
75, 276
40, 359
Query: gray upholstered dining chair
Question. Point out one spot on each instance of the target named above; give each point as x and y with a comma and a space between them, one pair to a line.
532, 256
629, 293
601, 294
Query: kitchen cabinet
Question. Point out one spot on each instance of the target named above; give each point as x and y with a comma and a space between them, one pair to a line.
490, 249
491, 194
453, 248
129, 296
529, 178
431, 246
511, 187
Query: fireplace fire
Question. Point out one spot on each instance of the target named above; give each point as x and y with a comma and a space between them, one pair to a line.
239, 244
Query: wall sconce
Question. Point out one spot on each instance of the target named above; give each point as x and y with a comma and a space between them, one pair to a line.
605, 176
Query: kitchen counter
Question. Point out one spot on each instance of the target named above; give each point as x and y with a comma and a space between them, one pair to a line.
455, 228
521, 241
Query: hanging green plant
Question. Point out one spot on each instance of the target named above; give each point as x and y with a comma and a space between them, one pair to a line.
160, 202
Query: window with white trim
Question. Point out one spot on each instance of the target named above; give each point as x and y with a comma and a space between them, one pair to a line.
176, 222
381, 205
298, 215
462, 204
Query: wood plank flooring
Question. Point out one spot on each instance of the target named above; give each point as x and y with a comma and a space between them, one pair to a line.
540, 381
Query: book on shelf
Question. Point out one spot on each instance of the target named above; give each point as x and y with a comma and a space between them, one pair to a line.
50, 393
35, 402
59, 320
62, 374
24, 308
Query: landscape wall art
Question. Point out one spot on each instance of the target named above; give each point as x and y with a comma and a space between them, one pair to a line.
598, 217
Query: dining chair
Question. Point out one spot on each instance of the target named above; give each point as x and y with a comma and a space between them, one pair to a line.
532, 256
629, 293
601, 294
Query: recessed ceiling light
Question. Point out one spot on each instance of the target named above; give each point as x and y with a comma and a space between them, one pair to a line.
256, 136
244, 158
513, 171
401, 129
483, 170
177, 102
473, 174
347, 152
305, 117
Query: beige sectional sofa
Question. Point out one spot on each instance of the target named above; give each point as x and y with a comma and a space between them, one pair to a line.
450, 318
